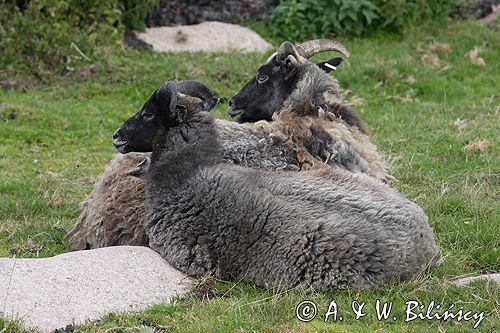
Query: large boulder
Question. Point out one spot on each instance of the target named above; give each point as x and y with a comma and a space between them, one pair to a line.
204, 37
75, 287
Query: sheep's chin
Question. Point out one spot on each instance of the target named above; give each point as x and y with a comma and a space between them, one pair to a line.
237, 119
122, 146
235, 114
123, 150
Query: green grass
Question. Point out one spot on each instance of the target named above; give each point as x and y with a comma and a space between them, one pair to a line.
55, 139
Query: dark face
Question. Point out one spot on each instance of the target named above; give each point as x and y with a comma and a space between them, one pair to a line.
137, 133
260, 98
265, 93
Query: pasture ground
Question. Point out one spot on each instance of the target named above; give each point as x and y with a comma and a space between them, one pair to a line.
423, 100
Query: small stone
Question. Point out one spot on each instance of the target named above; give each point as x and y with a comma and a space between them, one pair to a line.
468, 280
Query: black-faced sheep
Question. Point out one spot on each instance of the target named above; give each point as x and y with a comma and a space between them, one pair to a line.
288, 79
289, 83
323, 229
291, 142
114, 214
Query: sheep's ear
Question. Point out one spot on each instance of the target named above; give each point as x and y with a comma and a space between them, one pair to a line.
208, 104
289, 68
178, 116
330, 65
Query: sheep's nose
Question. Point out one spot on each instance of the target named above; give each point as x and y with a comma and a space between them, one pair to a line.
231, 102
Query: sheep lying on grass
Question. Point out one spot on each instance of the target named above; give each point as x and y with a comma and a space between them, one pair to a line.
292, 142
323, 229
114, 213
289, 86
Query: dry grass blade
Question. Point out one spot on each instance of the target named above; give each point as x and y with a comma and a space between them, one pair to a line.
477, 146
474, 57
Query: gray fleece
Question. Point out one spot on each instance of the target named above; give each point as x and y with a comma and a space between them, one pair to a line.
308, 133
323, 229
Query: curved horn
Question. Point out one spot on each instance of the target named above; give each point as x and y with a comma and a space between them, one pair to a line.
312, 47
285, 50
168, 90
195, 89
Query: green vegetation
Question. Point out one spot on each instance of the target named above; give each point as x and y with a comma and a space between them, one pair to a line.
43, 37
421, 98
327, 18
134, 12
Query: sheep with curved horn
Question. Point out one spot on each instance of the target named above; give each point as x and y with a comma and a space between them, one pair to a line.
323, 229
269, 146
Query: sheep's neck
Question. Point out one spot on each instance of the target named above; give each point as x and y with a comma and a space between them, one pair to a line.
180, 151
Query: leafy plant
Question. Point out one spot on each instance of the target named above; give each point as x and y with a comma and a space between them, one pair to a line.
135, 12
395, 15
298, 20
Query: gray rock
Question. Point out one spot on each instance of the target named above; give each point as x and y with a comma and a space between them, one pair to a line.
468, 280
204, 37
71, 288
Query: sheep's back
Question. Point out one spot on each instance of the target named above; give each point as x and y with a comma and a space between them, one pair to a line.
322, 230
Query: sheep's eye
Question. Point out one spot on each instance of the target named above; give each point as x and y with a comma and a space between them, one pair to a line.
147, 116
262, 78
